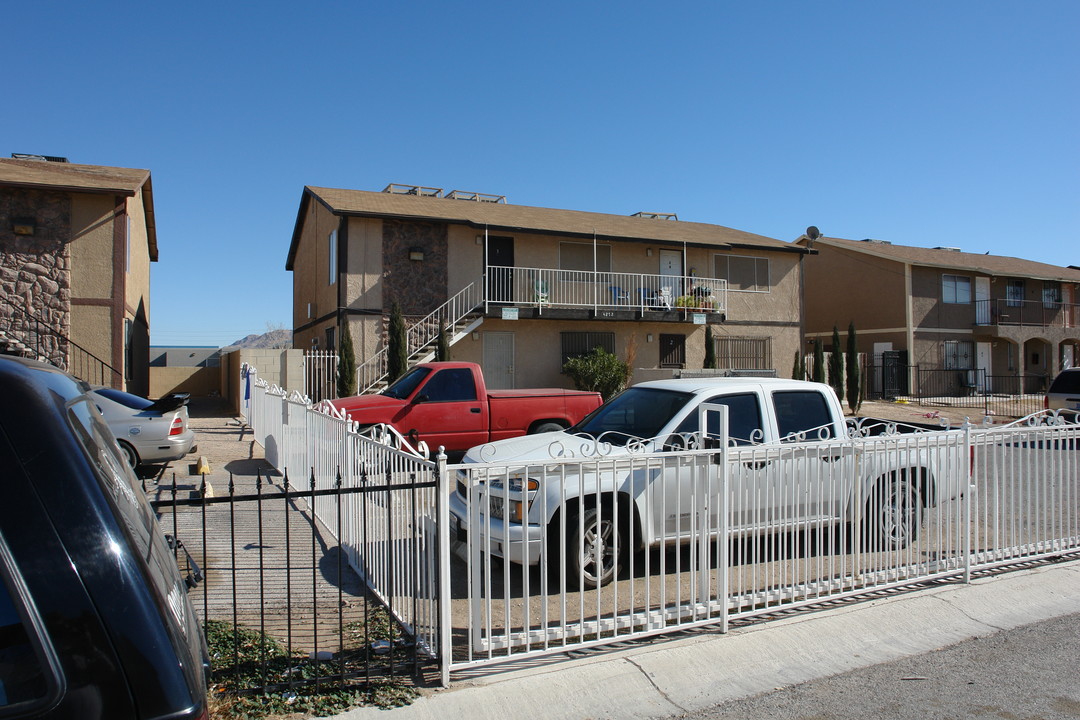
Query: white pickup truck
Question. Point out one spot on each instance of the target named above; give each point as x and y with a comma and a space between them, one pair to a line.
616, 482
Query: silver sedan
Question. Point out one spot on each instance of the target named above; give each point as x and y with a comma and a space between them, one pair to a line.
147, 431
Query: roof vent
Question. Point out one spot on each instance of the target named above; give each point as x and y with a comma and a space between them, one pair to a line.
656, 215
41, 158
476, 197
950, 249
420, 190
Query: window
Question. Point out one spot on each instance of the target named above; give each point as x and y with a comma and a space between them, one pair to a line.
333, 252
743, 273
802, 412
127, 245
672, 351
955, 289
743, 353
1051, 295
576, 344
579, 256
1014, 293
450, 385
744, 419
22, 676
958, 354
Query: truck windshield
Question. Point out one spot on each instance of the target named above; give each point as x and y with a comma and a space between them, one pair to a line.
635, 413
408, 382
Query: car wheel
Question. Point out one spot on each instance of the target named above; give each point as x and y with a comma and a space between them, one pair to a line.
547, 427
594, 548
130, 456
893, 514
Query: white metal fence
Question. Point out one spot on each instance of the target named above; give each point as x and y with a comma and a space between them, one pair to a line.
617, 543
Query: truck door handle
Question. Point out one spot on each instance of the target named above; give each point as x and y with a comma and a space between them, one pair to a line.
475, 410
832, 458
757, 464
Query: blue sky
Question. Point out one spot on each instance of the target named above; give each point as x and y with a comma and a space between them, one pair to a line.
922, 123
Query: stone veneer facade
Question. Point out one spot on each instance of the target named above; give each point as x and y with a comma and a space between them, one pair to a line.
417, 286
35, 278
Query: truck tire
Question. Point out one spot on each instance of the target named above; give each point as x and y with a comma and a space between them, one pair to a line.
893, 513
546, 427
594, 548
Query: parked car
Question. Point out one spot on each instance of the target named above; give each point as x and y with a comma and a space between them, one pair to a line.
1064, 392
448, 404
533, 502
148, 431
95, 621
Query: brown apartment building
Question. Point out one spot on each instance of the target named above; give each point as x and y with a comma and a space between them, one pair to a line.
524, 288
76, 243
950, 315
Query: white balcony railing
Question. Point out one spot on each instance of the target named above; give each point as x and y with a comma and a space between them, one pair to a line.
548, 288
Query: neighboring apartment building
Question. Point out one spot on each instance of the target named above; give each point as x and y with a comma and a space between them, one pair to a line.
1015, 321
525, 288
76, 243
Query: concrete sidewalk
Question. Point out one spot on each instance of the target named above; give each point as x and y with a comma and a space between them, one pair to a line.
672, 677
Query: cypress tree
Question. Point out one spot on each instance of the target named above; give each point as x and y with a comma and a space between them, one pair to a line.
397, 351
346, 369
442, 347
798, 367
819, 362
854, 376
836, 365
710, 350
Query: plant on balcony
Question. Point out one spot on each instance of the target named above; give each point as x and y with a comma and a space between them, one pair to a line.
598, 371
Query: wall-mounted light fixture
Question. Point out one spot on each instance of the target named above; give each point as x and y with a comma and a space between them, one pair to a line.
476, 336
479, 239
648, 252
648, 337
23, 226
416, 253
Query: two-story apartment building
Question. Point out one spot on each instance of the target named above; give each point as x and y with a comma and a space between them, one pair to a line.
525, 288
76, 243
1015, 321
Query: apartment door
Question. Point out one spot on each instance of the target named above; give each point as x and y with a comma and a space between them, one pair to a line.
671, 266
982, 301
500, 274
982, 362
499, 360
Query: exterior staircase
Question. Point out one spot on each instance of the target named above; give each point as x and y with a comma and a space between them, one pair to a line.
459, 315
26, 336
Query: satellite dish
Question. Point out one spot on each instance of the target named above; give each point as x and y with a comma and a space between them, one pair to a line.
812, 232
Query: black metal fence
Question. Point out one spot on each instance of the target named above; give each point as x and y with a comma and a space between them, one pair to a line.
26, 335
1003, 395
282, 609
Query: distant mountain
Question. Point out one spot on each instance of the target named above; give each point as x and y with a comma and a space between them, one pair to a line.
272, 339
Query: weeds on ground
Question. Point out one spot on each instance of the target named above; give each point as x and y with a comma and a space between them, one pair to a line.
297, 685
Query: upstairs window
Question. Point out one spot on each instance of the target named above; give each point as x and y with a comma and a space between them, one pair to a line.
955, 289
579, 256
1014, 293
750, 274
1051, 295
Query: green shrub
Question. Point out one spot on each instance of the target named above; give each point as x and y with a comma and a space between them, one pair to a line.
598, 371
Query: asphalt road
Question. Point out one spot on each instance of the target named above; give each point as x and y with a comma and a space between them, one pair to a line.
1028, 672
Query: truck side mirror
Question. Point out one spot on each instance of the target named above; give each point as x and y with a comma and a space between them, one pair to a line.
421, 398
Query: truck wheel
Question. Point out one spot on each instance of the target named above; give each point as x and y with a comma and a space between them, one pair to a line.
546, 427
594, 548
893, 515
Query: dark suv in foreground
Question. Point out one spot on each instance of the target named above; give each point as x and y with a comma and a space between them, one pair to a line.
94, 617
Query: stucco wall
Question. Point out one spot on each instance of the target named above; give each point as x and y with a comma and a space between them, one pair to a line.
199, 381
315, 299
844, 286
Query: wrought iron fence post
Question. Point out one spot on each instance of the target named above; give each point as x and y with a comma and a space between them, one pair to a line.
442, 523
969, 455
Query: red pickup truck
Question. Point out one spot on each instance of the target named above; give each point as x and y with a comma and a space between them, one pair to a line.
447, 404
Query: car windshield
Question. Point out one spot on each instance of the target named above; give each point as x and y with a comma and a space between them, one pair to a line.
635, 413
1066, 382
408, 382
126, 399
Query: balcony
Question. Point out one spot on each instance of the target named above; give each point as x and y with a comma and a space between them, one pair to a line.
606, 294
1030, 313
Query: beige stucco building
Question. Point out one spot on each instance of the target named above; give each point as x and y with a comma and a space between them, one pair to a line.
524, 288
1014, 321
76, 243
